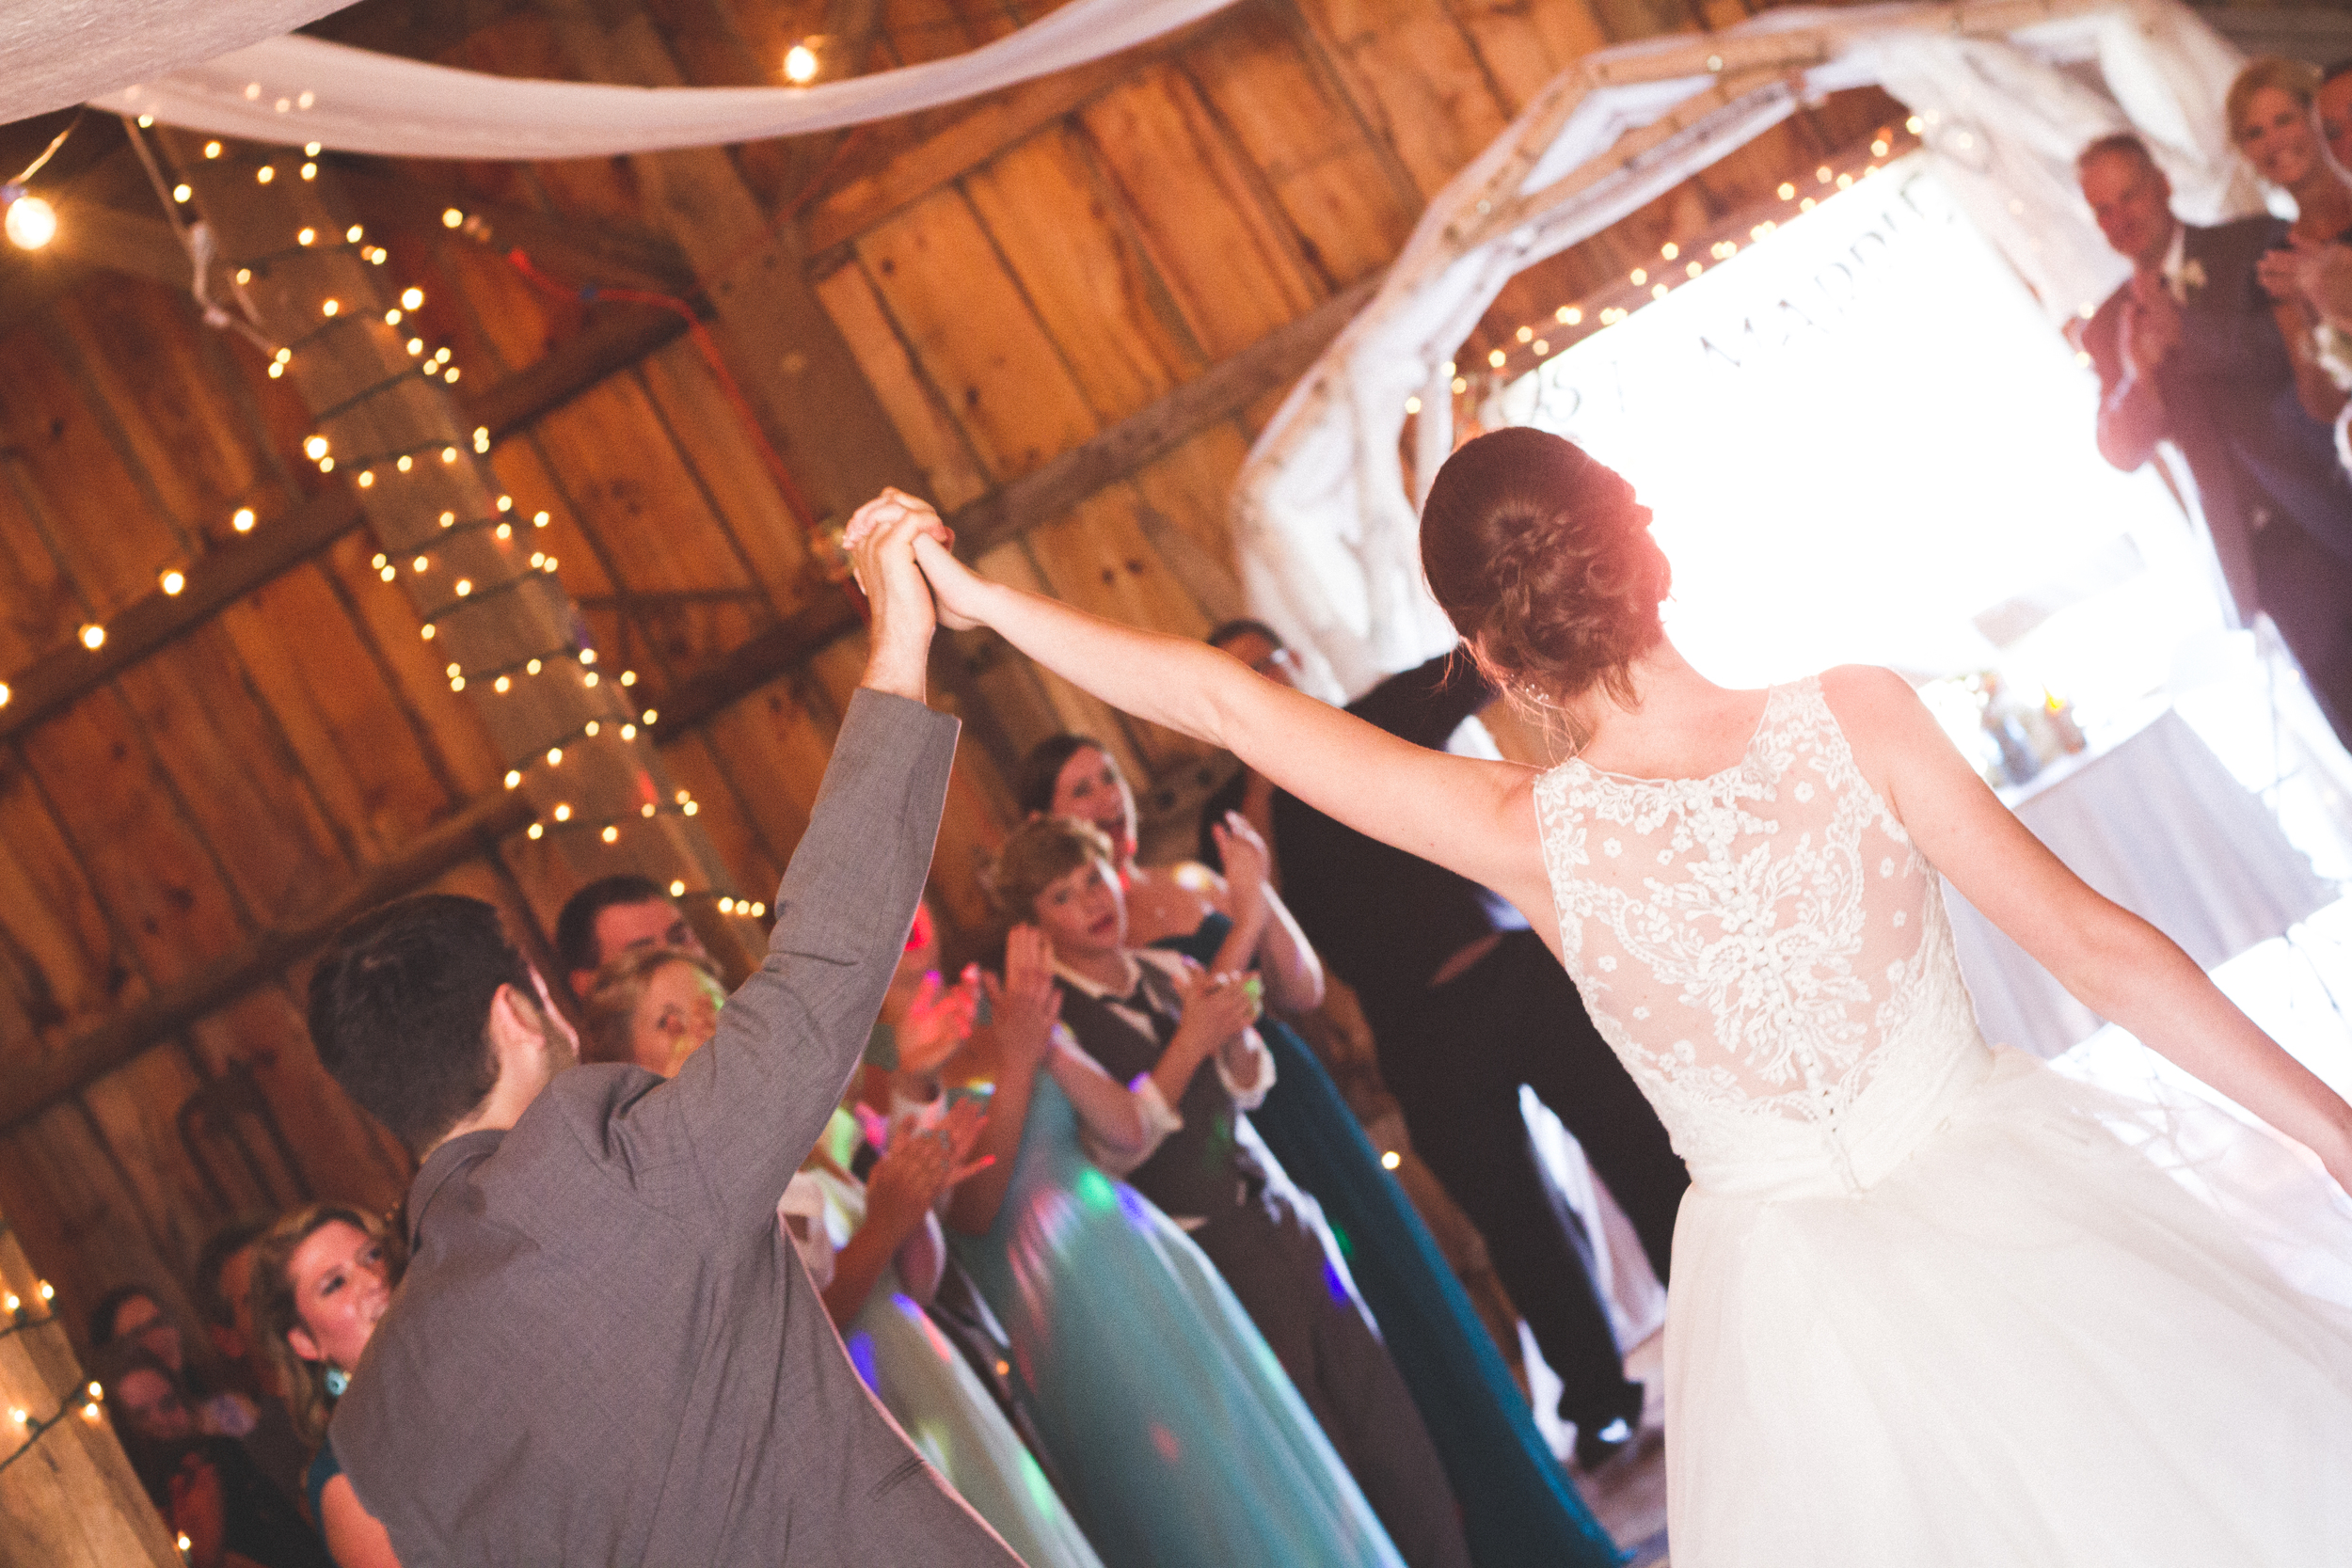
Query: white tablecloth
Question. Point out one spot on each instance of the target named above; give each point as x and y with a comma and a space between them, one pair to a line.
2156, 823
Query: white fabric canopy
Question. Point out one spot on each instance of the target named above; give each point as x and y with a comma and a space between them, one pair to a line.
1326, 530
303, 89
56, 53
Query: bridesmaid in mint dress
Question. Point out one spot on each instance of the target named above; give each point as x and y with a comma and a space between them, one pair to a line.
1182, 1443
1520, 1510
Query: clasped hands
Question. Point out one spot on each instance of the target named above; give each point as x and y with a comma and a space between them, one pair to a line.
898, 546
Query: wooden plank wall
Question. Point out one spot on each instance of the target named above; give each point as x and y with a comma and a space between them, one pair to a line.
1014, 276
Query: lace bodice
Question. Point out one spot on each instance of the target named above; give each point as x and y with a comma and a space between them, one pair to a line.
1765, 950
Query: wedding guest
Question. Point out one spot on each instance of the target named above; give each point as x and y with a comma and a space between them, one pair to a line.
321, 1277
2190, 350
205, 1486
599, 1240
2271, 117
129, 1314
1466, 1006
222, 1274
1181, 1036
1518, 1507
1184, 1443
650, 1007
2334, 103
613, 915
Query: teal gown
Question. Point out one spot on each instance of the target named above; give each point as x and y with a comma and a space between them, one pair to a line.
936, 1398
1519, 1508
1182, 1442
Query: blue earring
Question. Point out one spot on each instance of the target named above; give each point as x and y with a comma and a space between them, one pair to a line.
337, 1381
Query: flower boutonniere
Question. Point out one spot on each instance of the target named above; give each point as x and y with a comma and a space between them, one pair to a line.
2188, 280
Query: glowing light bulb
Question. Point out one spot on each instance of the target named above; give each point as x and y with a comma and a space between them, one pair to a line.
646, 810
330, 307
1527, 334
212, 150
305, 236
451, 217
677, 890
513, 777
465, 586
31, 223
172, 582
93, 638
242, 520
799, 65
1390, 1160
411, 297
264, 175
181, 193
611, 834
650, 715
563, 811
426, 631
4, 703
536, 830
1641, 275
502, 684
555, 755
1496, 357
1412, 405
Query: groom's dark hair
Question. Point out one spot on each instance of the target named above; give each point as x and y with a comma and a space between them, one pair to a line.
400, 1011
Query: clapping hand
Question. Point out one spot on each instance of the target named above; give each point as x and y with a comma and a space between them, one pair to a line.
1247, 863
922, 1165
938, 1020
1026, 1003
1217, 1007
2151, 325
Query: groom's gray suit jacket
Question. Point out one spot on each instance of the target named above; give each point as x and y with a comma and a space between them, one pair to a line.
605, 1350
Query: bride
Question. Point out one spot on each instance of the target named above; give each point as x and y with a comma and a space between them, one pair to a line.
1932, 1302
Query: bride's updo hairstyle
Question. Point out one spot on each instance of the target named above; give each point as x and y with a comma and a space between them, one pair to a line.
1541, 558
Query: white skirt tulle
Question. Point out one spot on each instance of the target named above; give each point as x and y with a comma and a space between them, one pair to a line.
2026, 1343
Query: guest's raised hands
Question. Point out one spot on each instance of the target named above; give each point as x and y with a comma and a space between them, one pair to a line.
920, 1166
1026, 1003
1247, 863
938, 1020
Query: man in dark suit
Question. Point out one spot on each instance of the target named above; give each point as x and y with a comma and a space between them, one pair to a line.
605, 1349
2189, 351
1466, 1005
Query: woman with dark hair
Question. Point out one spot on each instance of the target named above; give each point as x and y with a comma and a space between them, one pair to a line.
321, 1277
1931, 1301
1184, 1443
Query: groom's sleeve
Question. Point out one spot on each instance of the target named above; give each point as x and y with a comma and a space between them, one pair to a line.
745, 1109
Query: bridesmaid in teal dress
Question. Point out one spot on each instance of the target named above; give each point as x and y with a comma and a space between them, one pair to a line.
1182, 1443
1520, 1510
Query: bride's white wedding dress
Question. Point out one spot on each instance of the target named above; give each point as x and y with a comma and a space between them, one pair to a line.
1932, 1303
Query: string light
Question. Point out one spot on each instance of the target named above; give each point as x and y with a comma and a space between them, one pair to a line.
1391, 1159
94, 636
242, 520
4, 693
212, 150
172, 582
31, 222
452, 218
181, 193
800, 64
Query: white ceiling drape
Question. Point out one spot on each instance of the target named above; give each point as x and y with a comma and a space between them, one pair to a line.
296, 89
2010, 91
55, 54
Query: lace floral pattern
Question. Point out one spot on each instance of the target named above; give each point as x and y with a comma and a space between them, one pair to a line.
1758, 946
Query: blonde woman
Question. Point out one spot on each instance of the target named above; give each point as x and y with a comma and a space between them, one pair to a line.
321, 1277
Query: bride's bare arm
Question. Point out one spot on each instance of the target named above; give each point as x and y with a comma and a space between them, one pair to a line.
1473, 816
2116, 963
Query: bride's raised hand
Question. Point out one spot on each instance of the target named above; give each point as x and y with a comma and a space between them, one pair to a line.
956, 589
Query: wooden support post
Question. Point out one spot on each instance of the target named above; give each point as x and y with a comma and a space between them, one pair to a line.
70, 1499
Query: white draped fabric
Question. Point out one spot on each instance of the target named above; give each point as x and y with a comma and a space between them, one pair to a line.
2010, 91
303, 89
56, 53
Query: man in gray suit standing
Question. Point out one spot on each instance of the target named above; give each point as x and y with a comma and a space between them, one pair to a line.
605, 1350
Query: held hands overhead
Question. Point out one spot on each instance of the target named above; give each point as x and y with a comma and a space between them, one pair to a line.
880, 541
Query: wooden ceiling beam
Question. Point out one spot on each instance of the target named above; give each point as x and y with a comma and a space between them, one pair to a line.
39, 1080
1220, 392
243, 564
999, 122
580, 251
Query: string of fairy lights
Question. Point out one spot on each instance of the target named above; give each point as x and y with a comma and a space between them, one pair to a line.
1679, 261
467, 552
19, 1316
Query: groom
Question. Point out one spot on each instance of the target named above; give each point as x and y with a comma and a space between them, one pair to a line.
605, 1349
